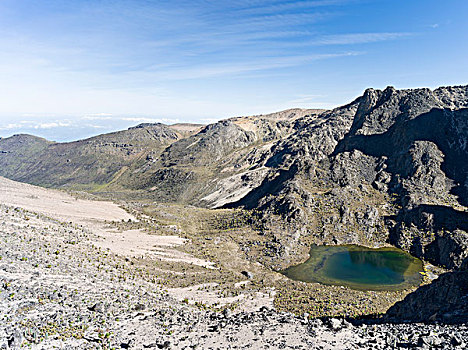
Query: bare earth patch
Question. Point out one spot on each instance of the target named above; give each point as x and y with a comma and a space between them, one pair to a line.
68, 280
93, 215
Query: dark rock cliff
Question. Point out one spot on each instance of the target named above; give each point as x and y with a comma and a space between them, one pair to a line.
390, 167
444, 300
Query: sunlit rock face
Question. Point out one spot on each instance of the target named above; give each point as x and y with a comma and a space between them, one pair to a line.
387, 167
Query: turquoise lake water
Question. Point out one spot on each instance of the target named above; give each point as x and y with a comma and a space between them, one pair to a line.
359, 268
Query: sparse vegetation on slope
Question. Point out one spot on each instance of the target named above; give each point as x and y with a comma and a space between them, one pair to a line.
385, 168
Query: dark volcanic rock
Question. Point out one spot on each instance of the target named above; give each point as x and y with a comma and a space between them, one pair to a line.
408, 145
445, 299
209, 145
388, 167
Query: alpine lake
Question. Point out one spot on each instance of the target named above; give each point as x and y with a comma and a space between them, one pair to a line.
359, 268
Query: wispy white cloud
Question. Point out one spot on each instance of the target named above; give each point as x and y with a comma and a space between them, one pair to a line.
28, 124
267, 22
10, 126
182, 58
292, 6
52, 125
94, 126
232, 68
358, 38
98, 116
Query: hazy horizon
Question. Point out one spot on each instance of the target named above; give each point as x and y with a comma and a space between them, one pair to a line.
73, 129
76, 69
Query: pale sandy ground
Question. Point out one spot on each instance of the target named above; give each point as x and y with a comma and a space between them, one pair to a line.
93, 214
59, 205
54, 283
208, 295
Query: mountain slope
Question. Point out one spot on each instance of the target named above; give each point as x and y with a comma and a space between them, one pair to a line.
139, 159
388, 167
90, 162
391, 167
219, 164
19, 153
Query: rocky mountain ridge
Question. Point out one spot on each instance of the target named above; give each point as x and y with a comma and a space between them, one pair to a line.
387, 168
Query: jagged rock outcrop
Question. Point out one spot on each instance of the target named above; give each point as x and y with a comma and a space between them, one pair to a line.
388, 167
208, 146
315, 136
399, 151
445, 300
226, 158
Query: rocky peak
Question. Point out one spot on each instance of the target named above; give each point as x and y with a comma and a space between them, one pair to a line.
212, 143
378, 110
147, 125
453, 97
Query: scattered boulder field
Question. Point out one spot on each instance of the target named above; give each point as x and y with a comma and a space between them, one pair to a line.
216, 211
61, 290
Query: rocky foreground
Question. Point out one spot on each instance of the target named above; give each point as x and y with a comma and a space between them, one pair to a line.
250, 194
58, 290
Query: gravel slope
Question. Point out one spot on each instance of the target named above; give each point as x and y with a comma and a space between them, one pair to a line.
59, 289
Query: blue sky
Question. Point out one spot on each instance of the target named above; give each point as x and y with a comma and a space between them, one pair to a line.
70, 69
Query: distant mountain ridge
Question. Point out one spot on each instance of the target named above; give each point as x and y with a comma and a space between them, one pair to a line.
95, 161
389, 167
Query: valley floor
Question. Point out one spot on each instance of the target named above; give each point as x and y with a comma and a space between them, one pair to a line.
86, 274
